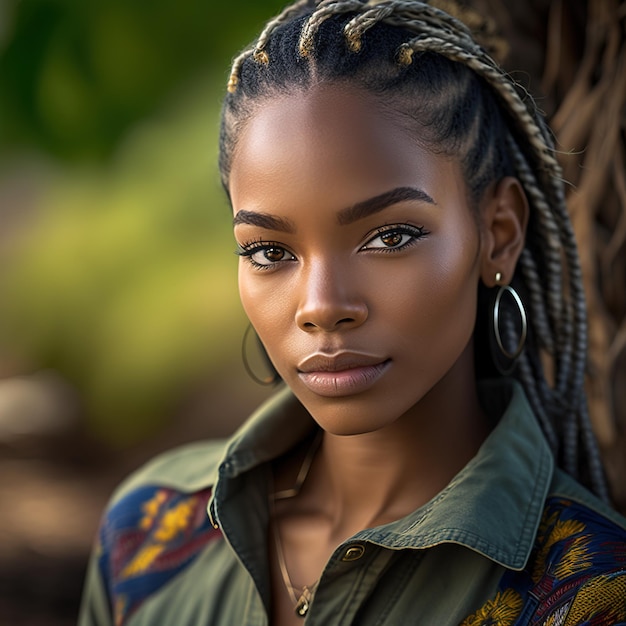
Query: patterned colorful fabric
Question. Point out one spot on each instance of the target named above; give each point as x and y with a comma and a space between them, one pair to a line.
576, 575
147, 538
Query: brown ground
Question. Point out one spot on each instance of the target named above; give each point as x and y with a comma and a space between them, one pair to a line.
50, 504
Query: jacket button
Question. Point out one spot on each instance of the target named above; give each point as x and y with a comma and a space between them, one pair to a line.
354, 552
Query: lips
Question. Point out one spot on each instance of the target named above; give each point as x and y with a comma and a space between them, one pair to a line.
342, 373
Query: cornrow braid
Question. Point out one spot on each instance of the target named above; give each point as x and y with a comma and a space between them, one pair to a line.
325, 11
424, 64
258, 50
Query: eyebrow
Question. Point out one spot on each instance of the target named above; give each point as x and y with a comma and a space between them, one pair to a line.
373, 205
346, 216
264, 220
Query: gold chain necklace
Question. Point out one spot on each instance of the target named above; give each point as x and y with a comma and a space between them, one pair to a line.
301, 597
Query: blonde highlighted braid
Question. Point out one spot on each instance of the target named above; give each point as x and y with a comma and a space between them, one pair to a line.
425, 64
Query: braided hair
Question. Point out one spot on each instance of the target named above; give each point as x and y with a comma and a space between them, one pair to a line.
426, 65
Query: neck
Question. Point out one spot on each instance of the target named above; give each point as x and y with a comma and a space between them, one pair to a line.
378, 477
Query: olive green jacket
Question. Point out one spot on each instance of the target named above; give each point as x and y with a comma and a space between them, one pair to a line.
511, 539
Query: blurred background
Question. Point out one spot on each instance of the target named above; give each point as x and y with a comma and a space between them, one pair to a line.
120, 326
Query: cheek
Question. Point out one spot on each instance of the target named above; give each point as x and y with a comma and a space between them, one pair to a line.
431, 312
436, 285
430, 306
254, 298
264, 302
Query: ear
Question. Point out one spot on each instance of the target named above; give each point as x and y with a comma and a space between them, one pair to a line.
504, 215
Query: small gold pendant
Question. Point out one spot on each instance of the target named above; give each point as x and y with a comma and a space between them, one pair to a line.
302, 607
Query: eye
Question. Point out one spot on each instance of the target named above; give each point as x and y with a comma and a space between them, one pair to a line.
394, 237
264, 255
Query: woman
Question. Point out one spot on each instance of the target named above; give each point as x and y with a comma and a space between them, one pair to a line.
407, 262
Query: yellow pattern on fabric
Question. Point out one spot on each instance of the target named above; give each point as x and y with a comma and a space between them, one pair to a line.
174, 521
143, 560
560, 532
602, 595
576, 559
151, 509
501, 611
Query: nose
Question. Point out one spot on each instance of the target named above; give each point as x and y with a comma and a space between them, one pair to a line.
329, 301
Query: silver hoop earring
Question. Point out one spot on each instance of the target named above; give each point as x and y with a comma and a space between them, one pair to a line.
273, 377
512, 356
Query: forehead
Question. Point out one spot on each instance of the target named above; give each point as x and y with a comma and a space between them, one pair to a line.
331, 140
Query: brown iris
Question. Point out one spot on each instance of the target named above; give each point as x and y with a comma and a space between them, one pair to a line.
274, 254
391, 239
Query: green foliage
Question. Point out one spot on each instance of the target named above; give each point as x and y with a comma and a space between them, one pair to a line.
125, 281
74, 75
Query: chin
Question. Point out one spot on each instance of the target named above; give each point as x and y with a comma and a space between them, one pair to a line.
347, 418
345, 430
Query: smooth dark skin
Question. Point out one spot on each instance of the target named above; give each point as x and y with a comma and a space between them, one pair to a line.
303, 161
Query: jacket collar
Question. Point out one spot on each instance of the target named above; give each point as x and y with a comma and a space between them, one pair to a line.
492, 506
273, 429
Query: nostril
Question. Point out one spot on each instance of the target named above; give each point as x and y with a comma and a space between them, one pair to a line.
330, 316
313, 325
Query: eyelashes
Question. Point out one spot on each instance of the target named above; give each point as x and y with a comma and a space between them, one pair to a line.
264, 255
394, 237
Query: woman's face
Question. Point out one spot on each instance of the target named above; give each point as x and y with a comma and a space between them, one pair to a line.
361, 257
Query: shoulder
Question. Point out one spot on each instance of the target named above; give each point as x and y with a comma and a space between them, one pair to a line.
156, 524
576, 542
577, 570
189, 468
175, 484
578, 566
564, 488
576, 573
